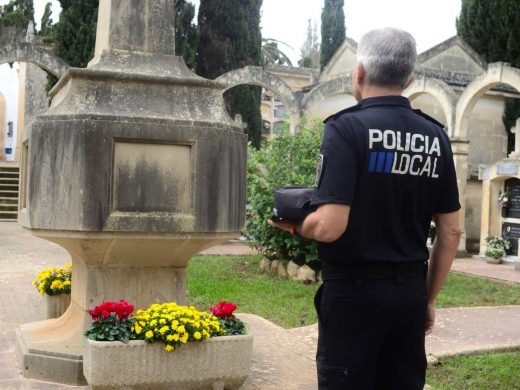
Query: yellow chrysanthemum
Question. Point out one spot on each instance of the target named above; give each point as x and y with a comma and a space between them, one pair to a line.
168, 348
197, 335
164, 329
148, 334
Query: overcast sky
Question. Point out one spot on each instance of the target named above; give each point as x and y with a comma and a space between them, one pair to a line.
430, 22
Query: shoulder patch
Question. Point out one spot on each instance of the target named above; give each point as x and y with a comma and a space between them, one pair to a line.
339, 113
427, 117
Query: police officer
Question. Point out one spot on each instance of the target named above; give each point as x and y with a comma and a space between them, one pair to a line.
385, 171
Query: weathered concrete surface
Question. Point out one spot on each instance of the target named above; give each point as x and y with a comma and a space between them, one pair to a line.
35, 54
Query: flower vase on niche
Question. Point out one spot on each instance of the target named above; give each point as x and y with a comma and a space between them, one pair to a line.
504, 201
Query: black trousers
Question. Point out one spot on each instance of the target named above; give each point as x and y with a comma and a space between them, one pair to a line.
371, 334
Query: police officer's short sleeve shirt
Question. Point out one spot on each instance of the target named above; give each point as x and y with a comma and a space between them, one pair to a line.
394, 167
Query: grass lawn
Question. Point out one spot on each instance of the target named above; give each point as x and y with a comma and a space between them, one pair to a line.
290, 304
238, 279
494, 371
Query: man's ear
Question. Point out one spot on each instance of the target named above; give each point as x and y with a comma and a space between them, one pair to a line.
410, 81
360, 73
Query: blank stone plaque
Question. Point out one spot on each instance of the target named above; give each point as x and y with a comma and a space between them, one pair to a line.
151, 177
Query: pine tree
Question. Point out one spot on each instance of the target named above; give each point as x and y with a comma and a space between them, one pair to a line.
332, 29
230, 39
491, 27
310, 51
14, 19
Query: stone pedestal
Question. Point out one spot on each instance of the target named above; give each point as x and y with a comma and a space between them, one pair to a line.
135, 168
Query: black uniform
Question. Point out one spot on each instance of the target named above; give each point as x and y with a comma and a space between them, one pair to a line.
394, 167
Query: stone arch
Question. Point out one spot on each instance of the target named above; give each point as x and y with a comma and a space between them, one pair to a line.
319, 93
440, 91
257, 75
497, 73
27, 52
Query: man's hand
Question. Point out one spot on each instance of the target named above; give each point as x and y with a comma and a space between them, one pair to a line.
430, 319
283, 225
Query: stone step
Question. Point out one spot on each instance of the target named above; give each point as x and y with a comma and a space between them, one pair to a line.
8, 200
9, 194
9, 215
9, 175
8, 207
9, 180
8, 219
8, 187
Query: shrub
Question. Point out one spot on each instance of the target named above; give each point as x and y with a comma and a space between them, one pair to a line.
286, 160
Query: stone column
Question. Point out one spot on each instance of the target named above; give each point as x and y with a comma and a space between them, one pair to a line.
486, 214
2, 127
135, 168
460, 156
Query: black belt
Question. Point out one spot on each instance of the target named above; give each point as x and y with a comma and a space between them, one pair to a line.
387, 270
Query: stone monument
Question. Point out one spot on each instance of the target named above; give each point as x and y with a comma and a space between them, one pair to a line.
135, 168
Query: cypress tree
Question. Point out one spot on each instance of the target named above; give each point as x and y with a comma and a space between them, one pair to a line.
186, 32
332, 29
75, 34
46, 21
491, 27
230, 39
310, 50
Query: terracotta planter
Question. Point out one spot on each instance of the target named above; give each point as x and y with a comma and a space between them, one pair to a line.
216, 363
492, 260
55, 305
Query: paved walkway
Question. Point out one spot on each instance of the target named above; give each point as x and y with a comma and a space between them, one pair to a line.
504, 272
282, 358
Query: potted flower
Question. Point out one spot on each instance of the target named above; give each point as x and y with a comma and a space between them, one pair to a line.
167, 346
55, 285
504, 201
496, 249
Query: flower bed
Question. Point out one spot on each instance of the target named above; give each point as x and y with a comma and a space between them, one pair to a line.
166, 346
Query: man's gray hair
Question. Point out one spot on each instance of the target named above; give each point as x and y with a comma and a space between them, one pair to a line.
388, 56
